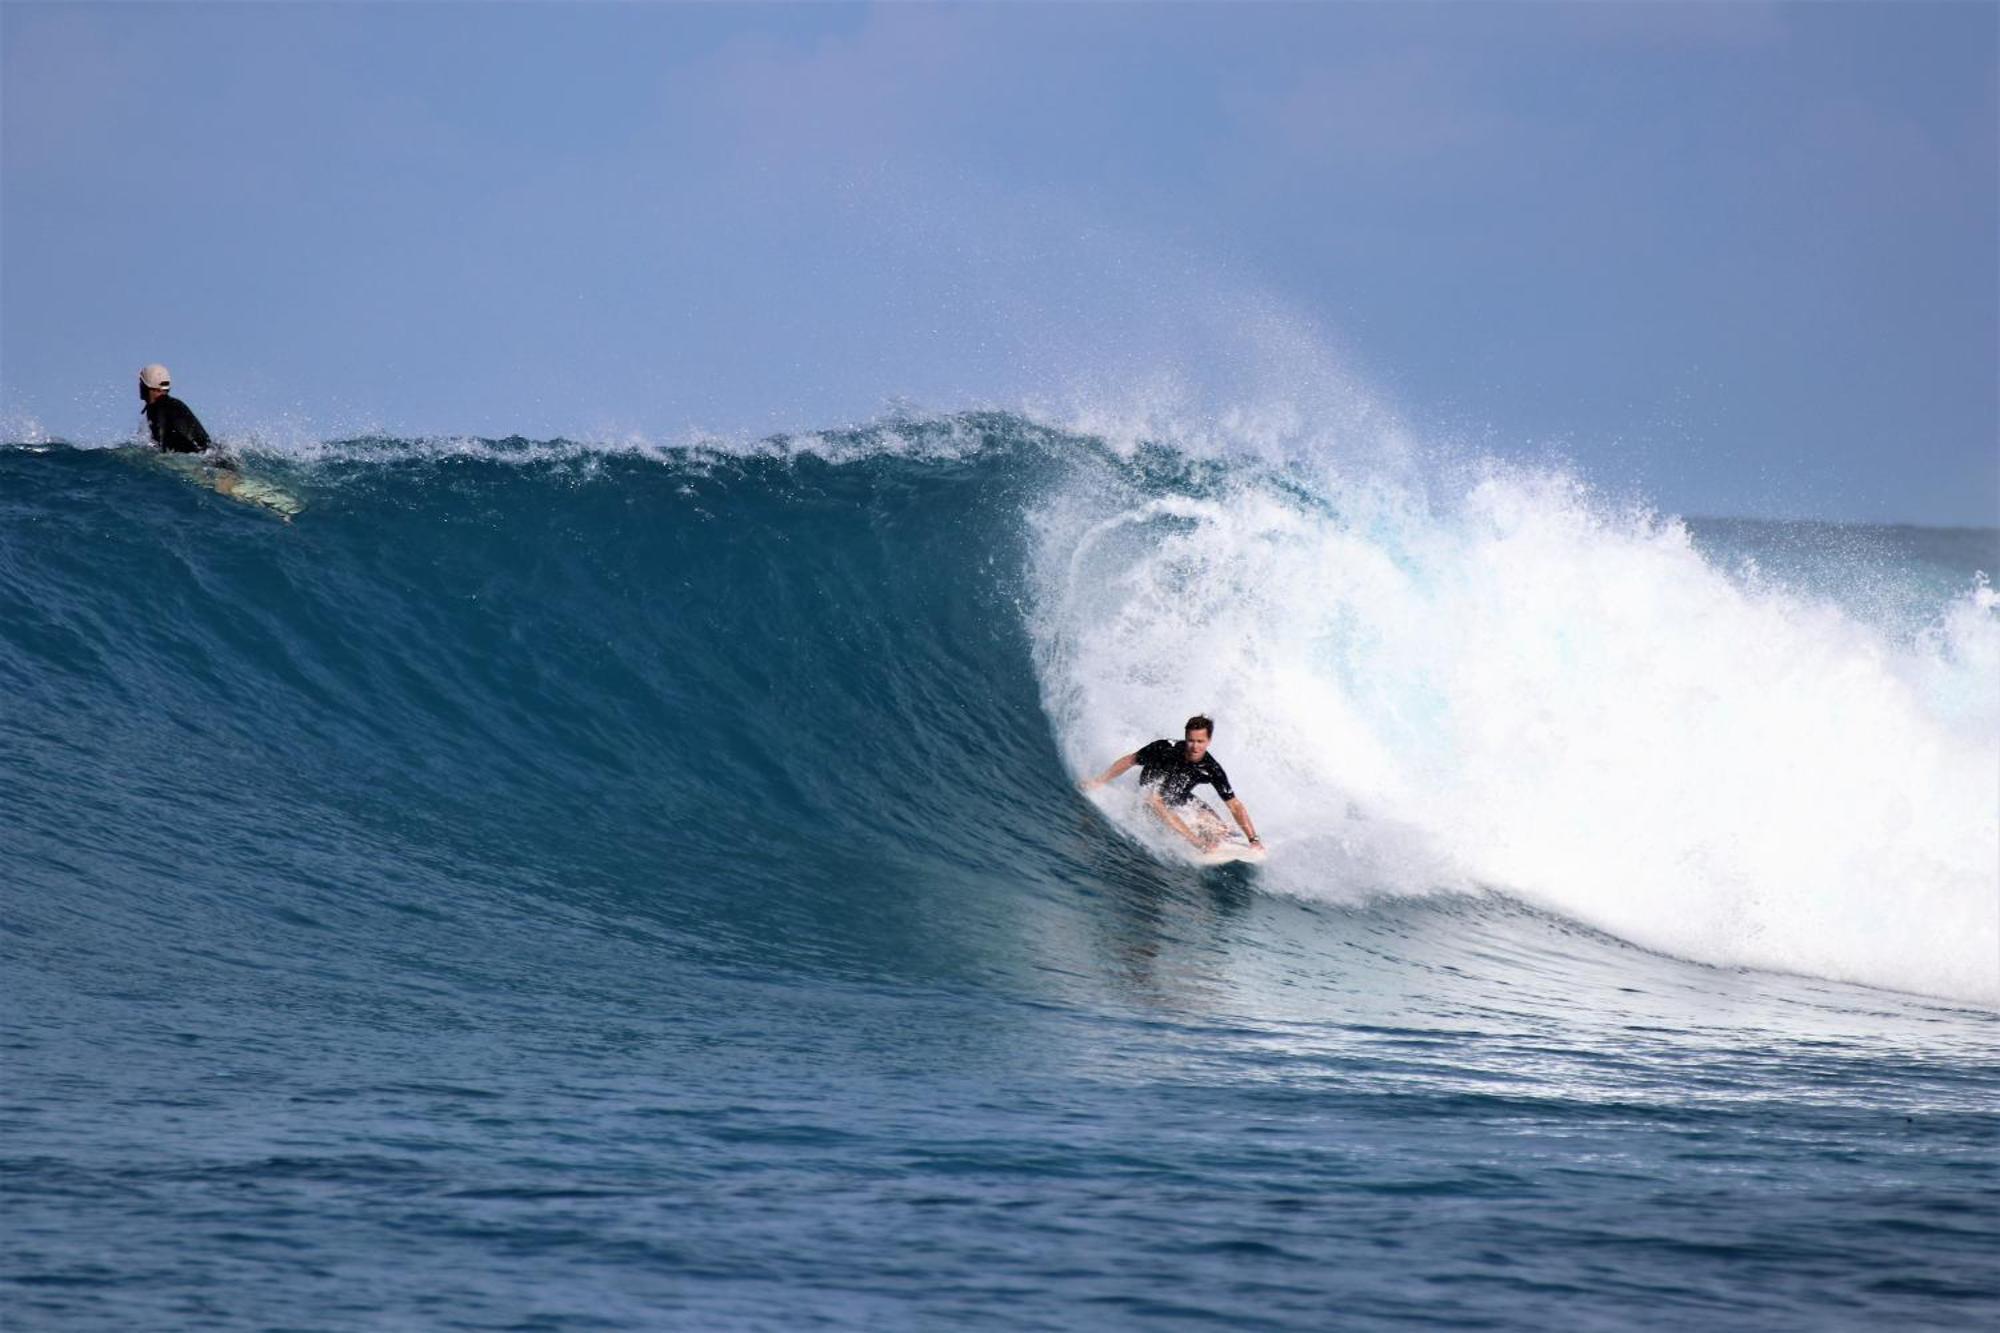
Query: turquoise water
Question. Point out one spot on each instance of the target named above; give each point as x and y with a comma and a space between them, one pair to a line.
549, 886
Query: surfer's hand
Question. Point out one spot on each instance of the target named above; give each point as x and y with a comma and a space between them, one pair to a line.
1090, 784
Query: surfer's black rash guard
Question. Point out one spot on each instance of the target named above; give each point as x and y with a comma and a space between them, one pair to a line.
175, 427
1165, 764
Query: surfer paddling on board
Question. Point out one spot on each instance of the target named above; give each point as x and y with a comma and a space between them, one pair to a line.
177, 430
173, 425
1169, 771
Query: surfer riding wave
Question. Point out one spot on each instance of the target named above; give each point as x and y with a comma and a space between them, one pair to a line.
1169, 771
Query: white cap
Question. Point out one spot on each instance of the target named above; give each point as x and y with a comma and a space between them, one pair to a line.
155, 376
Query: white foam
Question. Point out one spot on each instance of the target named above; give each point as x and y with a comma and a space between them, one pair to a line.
18, 428
1507, 683
904, 433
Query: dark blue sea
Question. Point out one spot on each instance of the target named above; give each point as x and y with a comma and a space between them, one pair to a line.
581, 887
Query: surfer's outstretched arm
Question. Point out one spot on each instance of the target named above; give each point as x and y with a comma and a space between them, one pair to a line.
1242, 818
1092, 784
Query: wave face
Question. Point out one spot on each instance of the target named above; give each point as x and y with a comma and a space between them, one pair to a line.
535, 843
790, 668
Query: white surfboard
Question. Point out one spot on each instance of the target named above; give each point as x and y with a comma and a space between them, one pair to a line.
232, 482
1235, 849
257, 491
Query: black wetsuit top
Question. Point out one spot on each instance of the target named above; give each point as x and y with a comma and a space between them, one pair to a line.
1165, 764
175, 428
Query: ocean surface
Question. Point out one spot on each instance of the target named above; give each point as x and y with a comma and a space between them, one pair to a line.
558, 886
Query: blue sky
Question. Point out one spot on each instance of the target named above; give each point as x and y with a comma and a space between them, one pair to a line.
1741, 258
